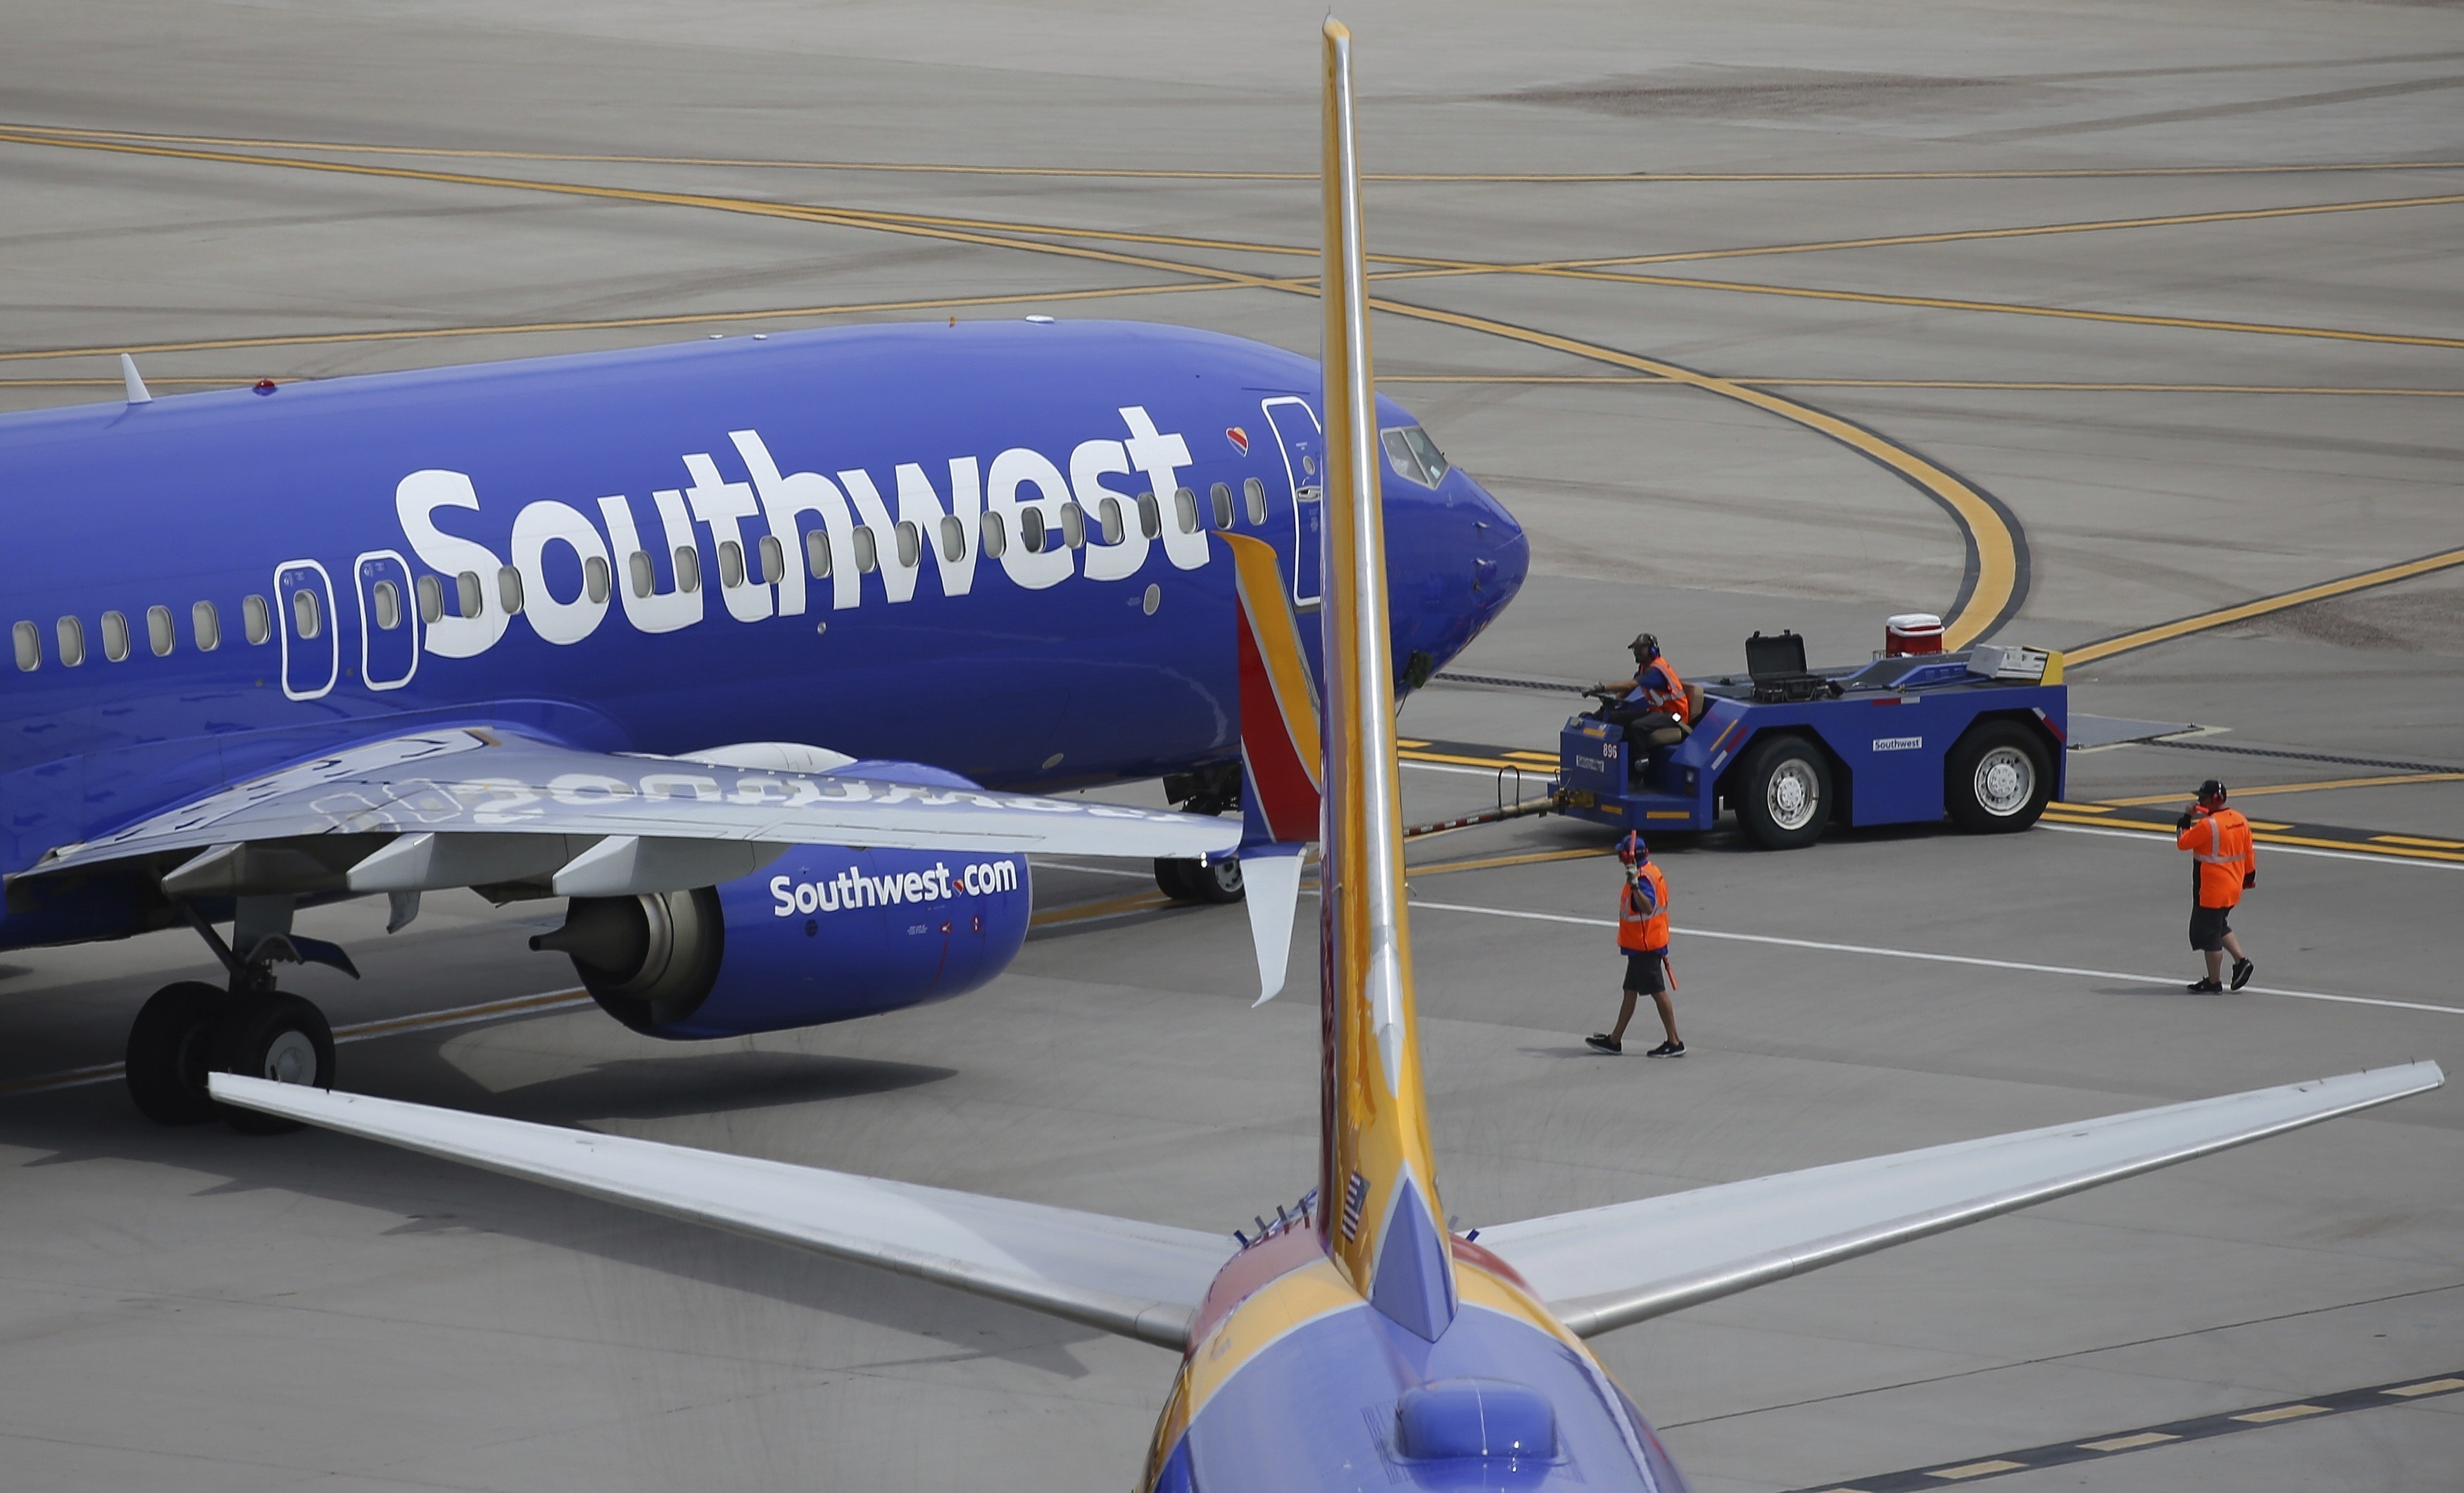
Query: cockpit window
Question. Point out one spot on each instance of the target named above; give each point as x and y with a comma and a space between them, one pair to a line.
1414, 455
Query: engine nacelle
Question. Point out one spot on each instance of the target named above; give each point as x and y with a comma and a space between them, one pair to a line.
826, 933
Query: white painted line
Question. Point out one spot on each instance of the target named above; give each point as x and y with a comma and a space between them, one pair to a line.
1940, 958
2156, 836
1535, 770
356, 1031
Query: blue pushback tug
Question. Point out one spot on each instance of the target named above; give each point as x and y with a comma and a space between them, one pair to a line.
1904, 739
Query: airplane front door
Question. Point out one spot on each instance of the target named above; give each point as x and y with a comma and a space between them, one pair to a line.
389, 620
312, 645
1296, 430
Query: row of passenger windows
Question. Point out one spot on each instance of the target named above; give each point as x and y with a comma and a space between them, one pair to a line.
769, 565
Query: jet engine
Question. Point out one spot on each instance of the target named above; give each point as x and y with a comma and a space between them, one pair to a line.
824, 934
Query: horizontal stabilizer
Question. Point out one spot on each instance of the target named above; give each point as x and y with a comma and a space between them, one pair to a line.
1605, 1267
1140, 1280
468, 808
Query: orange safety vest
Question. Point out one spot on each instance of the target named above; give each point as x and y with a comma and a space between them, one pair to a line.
1671, 699
2220, 844
1644, 930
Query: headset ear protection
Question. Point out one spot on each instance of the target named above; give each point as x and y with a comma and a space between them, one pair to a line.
2212, 793
1647, 644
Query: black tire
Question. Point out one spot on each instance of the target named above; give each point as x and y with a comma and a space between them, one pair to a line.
1997, 780
1217, 881
279, 1037
171, 1044
1783, 793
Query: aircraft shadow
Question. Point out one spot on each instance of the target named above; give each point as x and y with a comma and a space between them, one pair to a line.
98, 1123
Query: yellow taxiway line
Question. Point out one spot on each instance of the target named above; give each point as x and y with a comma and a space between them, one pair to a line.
2261, 607
1147, 173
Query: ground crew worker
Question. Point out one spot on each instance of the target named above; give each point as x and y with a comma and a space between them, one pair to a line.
1643, 933
2224, 863
1655, 705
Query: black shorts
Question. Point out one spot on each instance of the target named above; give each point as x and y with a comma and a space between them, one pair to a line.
2208, 928
1643, 972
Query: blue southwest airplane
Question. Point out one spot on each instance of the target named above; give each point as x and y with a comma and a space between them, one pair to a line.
762, 651
1359, 1342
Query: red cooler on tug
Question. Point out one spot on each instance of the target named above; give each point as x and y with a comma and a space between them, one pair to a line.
1911, 633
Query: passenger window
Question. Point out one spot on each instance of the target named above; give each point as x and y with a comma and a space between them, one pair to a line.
867, 551
954, 538
911, 543
30, 646
688, 569
1184, 508
1221, 495
731, 564
595, 581
71, 636
385, 601
774, 560
638, 566
256, 616
1149, 516
207, 624
307, 618
817, 553
1110, 511
996, 536
1073, 525
1254, 492
1030, 529
115, 636
509, 590
467, 597
432, 599
159, 635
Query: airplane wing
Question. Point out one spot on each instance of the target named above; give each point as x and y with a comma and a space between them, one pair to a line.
468, 807
1605, 1267
1140, 1280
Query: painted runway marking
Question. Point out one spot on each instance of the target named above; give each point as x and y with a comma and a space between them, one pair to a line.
358, 1031
1137, 173
2058, 1453
2224, 616
1819, 946
2277, 843
2013, 385
2389, 781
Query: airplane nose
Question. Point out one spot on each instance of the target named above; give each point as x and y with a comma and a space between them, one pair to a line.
1501, 556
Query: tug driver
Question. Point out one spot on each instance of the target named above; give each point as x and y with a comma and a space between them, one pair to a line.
1653, 711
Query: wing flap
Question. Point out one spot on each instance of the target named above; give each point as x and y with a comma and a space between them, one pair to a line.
1143, 1280
1600, 1268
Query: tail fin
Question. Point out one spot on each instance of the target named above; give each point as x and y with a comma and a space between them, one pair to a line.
1380, 1212
1279, 754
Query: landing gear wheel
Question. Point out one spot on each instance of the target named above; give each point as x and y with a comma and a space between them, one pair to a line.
1996, 779
1783, 793
279, 1037
1217, 881
169, 1046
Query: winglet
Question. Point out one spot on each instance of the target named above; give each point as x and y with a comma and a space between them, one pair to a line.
137, 393
1381, 1221
1280, 752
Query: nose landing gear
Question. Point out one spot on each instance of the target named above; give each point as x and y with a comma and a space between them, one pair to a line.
189, 1029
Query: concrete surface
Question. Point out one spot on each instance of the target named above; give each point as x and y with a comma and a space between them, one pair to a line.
196, 1310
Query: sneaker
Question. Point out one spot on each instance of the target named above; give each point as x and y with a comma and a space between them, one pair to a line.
2243, 970
1603, 1041
1667, 1049
2202, 987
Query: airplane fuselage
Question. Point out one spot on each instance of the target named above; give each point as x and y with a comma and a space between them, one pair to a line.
984, 546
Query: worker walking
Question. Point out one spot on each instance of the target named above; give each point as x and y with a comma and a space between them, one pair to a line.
1643, 933
2224, 861
1653, 711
